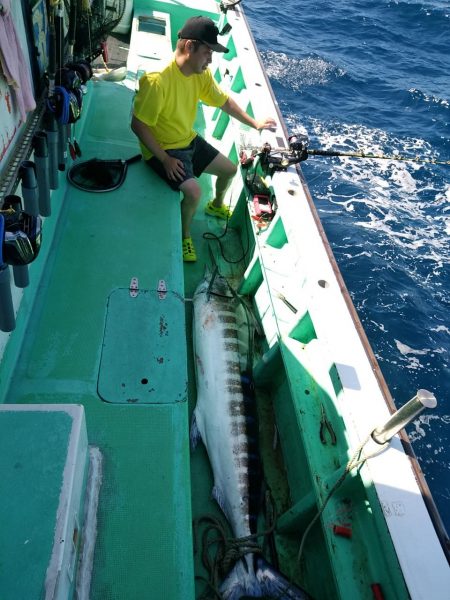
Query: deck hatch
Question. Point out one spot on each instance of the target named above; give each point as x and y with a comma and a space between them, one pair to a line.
143, 357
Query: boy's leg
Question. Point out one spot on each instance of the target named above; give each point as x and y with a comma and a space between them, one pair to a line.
225, 170
191, 197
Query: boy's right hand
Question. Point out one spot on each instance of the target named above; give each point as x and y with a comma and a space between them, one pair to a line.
174, 168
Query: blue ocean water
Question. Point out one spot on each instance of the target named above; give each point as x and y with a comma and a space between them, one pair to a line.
374, 76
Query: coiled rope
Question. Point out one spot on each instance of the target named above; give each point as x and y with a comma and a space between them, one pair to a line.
227, 551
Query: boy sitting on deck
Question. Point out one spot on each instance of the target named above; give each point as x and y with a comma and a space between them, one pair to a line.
164, 113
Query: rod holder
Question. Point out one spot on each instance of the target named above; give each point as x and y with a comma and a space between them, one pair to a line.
20, 272
21, 276
62, 146
29, 187
7, 317
404, 415
51, 130
41, 159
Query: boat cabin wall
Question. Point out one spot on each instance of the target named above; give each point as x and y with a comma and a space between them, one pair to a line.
12, 120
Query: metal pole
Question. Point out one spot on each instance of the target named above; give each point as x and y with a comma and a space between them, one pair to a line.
52, 140
7, 316
423, 399
20, 272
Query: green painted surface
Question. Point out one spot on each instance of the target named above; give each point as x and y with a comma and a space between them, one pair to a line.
102, 241
33, 453
138, 362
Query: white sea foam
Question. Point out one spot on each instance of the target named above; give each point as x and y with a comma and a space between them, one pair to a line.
380, 326
402, 202
429, 98
423, 425
296, 73
441, 328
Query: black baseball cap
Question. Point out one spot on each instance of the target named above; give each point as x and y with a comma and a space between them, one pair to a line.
204, 30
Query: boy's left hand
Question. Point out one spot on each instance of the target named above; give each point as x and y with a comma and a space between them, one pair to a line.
267, 123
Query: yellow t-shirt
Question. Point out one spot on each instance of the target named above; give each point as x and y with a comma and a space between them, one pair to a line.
167, 102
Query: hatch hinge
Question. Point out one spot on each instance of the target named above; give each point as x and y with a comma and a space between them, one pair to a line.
134, 287
162, 289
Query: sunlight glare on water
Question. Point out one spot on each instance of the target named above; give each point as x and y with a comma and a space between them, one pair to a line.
374, 78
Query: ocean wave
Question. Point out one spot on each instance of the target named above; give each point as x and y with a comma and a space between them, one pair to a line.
439, 8
296, 73
441, 328
429, 98
424, 424
402, 203
373, 76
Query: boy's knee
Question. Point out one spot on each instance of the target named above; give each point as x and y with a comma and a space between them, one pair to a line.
192, 192
229, 169
233, 169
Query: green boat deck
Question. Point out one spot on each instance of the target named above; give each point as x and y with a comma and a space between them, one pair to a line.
88, 341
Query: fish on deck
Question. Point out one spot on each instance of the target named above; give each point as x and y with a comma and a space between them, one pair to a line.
220, 421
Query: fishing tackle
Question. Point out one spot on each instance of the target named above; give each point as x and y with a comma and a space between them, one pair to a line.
226, 5
279, 159
22, 233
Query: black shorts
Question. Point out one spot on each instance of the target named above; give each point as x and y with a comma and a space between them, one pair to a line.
196, 157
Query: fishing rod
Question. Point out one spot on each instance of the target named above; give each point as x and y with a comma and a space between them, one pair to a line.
280, 158
362, 154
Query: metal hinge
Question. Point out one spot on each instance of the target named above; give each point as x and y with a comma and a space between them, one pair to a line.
162, 289
134, 287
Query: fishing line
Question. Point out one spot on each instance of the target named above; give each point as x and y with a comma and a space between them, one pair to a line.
362, 154
208, 235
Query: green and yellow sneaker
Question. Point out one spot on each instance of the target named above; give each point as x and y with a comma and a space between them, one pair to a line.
189, 254
221, 212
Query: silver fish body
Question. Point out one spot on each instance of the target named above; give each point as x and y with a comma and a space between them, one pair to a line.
220, 413
220, 420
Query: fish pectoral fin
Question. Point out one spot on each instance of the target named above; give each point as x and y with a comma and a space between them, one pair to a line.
218, 497
195, 434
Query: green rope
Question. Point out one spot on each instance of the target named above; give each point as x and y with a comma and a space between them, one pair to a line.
228, 551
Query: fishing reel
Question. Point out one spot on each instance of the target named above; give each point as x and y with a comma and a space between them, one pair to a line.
226, 5
299, 144
22, 233
280, 159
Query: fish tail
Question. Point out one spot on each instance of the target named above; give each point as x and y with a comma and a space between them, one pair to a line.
262, 581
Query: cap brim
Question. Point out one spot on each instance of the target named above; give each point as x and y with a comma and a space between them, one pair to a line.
217, 47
